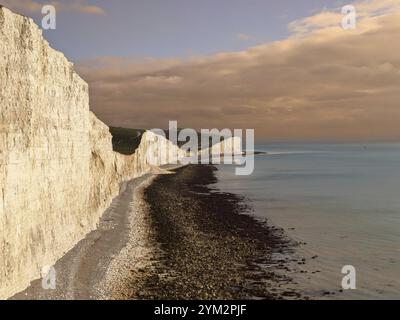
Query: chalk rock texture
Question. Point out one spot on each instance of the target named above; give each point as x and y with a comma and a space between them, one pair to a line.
229, 146
58, 171
44, 154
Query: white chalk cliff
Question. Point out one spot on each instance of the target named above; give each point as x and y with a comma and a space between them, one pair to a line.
58, 171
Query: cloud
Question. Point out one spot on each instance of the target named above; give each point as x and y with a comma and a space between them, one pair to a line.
327, 84
244, 37
332, 19
34, 7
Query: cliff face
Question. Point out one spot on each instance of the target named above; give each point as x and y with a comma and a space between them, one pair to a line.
58, 172
229, 147
45, 158
108, 169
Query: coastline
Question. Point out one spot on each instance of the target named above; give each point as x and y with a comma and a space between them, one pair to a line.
209, 247
172, 236
84, 272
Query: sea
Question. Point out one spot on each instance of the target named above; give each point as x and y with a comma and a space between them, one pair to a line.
341, 203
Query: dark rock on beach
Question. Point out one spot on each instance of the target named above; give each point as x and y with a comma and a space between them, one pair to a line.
209, 247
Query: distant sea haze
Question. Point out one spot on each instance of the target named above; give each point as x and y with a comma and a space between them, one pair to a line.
342, 201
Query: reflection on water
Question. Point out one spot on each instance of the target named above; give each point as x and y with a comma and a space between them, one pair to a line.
342, 200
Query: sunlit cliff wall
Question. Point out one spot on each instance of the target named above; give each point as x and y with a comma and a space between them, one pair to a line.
58, 172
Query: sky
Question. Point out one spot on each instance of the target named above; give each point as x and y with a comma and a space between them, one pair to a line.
167, 28
285, 68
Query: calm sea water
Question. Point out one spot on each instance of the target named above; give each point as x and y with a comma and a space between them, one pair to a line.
343, 201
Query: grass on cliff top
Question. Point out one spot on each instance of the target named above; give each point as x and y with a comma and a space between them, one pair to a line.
124, 140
